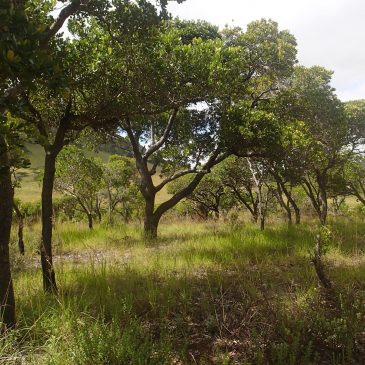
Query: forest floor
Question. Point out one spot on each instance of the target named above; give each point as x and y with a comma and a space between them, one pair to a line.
204, 293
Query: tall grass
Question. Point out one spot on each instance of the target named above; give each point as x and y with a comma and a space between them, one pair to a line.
204, 293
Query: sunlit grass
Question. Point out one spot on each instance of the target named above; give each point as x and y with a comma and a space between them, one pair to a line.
212, 292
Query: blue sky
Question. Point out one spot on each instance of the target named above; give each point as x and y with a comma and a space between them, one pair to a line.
330, 33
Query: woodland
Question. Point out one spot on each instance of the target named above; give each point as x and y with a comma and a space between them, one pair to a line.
174, 193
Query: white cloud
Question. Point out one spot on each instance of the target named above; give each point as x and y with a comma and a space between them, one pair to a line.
330, 33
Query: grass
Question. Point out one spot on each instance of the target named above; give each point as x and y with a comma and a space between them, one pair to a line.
205, 293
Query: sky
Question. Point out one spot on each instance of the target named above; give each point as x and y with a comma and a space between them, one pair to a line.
329, 33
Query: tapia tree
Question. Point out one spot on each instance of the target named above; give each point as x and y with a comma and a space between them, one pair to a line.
314, 108
186, 95
61, 102
79, 176
26, 30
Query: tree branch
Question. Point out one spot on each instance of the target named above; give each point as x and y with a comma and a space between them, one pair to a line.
132, 138
165, 135
174, 177
65, 13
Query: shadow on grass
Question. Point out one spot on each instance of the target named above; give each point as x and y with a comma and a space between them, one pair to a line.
200, 315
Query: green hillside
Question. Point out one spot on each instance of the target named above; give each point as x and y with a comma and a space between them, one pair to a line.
30, 188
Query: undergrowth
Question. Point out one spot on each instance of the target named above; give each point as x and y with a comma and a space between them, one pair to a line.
203, 294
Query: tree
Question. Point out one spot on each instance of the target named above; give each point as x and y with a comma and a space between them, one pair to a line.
26, 31
238, 178
352, 178
264, 190
285, 164
209, 197
317, 115
173, 76
7, 300
249, 182
17, 161
174, 80
61, 106
119, 182
79, 177
57, 118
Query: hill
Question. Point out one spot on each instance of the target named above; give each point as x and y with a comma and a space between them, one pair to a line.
30, 189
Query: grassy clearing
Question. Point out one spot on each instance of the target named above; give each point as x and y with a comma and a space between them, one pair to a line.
205, 293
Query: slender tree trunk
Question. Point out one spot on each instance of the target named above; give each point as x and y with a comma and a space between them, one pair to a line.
90, 220
292, 203
126, 213
313, 196
319, 266
255, 213
20, 218
110, 207
290, 219
289, 196
297, 214
260, 208
262, 222
322, 200
98, 208
323, 215
7, 300
282, 203
258, 186
49, 278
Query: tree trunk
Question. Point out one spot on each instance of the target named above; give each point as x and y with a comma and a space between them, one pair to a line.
314, 197
290, 219
49, 278
319, 266
260, 209
290, 198
262, 222
110, 215
98, 208
90, 220
254, 212
293, 204
297, 214
282, 203
323, 215
20, 218
258, 186
150, 226
151, 220
322, 200
7, 300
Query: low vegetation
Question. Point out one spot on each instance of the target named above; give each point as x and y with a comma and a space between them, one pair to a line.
217, 293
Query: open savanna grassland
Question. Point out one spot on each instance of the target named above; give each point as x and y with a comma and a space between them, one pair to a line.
203, 293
